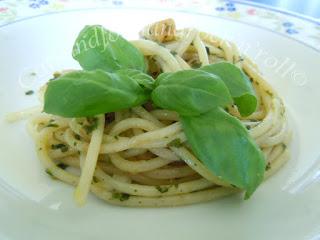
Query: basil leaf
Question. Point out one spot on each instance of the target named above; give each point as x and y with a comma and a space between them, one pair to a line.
190, 92
99, 48
225, 147
145, 81
238, 84
88, 93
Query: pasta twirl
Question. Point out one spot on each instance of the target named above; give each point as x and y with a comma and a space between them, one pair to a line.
132, 158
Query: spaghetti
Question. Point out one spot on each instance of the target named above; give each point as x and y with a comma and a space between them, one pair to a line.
130, 157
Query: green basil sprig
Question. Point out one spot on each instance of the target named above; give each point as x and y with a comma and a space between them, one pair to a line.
225, 148
238, 84
89, 93
218, 139
99, 48
190, 92
145, 81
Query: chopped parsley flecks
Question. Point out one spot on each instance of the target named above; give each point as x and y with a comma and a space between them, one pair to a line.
162, 189
207, 50
92, 124
50, 174
95, 179
175, 143
269, 93
121, 196
174, 53
77, 136
61, 146
52, 125
241, 59
30, 92
110, 117
196, 65
62, 165
268, 166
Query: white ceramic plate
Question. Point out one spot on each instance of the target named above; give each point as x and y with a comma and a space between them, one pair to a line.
32, 206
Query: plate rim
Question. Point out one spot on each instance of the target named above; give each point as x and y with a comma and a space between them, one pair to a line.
162, 10
287, 37
278, 10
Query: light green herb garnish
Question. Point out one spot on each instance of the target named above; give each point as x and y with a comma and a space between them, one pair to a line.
242, 165
102, 91
190, 92
111, 51
238, 84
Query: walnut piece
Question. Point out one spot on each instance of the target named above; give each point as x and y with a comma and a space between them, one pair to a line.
163, 31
